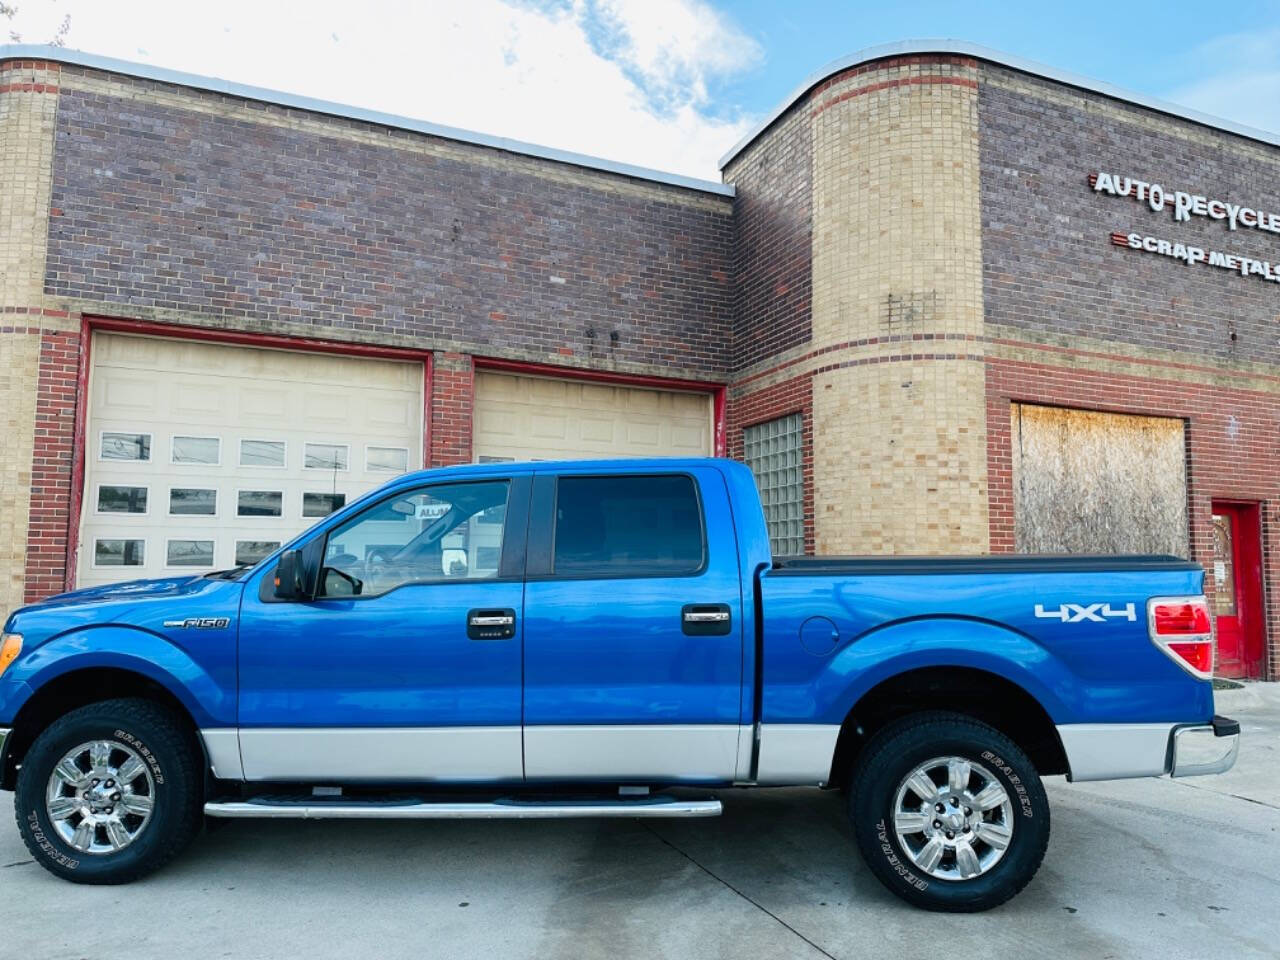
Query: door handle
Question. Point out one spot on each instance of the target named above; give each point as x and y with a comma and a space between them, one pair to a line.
706, 619
706, 616
491, 624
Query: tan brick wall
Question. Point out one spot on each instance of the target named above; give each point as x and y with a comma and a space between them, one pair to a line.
899, 400
28, 103
19, 358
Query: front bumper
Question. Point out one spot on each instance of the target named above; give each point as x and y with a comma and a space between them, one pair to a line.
1201, 750
4, 757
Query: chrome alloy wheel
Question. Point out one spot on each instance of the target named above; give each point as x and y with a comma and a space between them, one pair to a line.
953, 818
100, 797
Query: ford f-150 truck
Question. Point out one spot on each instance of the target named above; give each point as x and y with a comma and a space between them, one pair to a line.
602, 639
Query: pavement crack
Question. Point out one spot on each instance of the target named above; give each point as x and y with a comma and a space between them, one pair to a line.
721, 880
16, 863
1233, 796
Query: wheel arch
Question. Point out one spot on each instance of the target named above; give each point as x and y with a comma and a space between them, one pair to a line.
976, 692
80, 687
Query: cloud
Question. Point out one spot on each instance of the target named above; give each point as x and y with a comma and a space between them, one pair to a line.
628, 80
1239, 79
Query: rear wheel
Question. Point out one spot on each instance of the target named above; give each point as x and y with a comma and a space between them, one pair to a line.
948, 812
110, 792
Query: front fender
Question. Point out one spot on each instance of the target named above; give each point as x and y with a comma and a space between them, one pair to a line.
139, 651
827, 691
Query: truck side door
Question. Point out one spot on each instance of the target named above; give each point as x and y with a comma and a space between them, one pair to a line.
633, 628
406, 664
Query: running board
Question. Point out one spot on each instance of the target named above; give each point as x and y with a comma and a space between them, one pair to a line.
505, 808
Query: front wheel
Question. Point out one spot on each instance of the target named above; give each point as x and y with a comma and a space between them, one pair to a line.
110, 792
948, 812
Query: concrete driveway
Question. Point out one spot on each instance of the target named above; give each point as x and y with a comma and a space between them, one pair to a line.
1135, 869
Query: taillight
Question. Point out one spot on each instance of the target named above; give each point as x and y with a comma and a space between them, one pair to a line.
1182, 628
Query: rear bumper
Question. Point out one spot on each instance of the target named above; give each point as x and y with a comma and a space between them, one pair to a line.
1200, 750
1117, 751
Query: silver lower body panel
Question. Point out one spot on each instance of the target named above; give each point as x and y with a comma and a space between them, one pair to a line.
503, 809
1118, 751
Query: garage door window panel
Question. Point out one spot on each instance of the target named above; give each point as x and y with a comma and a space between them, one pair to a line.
386, 459
200, 451
124, 500
628, 527
189, 553
326, 456
259, 503
114, 445
316, 505
250, 552
432, 535
111, 552
263, 453
193, 502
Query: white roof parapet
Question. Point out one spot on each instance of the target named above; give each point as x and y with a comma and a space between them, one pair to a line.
962, 48
294, 101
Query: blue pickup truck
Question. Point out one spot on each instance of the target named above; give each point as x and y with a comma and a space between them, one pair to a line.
602, 639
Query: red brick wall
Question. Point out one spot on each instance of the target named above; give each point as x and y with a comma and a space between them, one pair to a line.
1231, 452
747, 406
51, 464
452, 400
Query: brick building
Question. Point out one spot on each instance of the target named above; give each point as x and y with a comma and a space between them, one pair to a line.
943, 301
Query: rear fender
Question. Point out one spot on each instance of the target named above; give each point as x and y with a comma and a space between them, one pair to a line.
940, 642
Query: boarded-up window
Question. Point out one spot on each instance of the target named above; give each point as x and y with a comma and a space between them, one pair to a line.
1087, 482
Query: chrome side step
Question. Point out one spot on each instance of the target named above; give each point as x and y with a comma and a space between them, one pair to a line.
504, 808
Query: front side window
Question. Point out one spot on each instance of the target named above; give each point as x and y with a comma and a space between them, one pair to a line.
628, 527
437, 534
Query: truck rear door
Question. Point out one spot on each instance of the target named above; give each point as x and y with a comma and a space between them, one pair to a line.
633, 628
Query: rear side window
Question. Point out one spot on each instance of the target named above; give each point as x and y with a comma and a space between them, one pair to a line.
628, 527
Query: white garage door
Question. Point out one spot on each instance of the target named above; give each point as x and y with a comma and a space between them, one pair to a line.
200, 456
537, 418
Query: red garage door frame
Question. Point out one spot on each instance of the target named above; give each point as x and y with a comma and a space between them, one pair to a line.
717, 391
90, 325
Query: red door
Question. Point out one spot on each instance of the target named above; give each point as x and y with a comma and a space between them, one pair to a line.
1237, 578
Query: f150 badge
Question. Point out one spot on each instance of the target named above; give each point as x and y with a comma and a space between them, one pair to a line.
1086, 612
199, 623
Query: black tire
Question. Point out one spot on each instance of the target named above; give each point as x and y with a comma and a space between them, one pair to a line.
158, 737
885, 763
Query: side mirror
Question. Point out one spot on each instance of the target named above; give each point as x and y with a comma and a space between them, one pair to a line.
289, 577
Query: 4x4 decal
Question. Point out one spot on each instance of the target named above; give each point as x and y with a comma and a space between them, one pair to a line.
1087, 612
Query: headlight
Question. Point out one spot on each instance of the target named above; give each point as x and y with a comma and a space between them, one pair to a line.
10, 647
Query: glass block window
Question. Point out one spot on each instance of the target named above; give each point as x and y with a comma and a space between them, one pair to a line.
773, 452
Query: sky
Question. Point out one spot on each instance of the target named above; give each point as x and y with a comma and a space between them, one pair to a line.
667, 84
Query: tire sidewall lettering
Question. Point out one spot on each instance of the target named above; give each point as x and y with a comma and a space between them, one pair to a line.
46, 847
895, 862
1024, 800
144, 752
